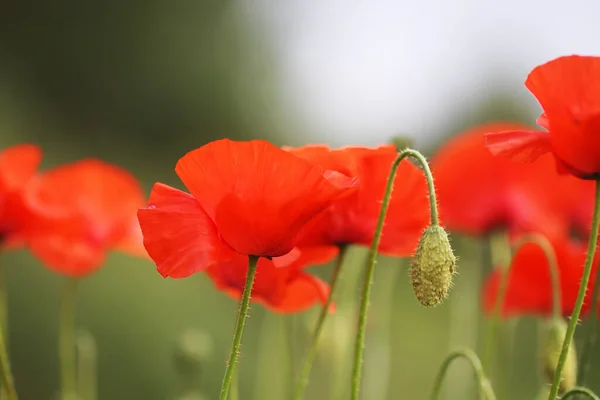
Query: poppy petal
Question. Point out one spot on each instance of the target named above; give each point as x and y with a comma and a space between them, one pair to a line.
74, 258
259, 196
88, 197
523, 146
18, 164
178, 235
132, 242
301, 293
529, 289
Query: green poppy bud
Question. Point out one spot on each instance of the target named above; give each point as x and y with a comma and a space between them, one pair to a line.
432, 267
551, 348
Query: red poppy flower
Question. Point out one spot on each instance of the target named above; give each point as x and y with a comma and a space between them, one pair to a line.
248, 198
353, 219
80, 211
281, 284
18, 164
568, 89
478, 192
529, 288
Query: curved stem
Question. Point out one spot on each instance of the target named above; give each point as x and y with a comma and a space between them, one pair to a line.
587, 270
314, 342
581, 391
369, 272
239, 327
548, 250
484, 387
499, 246
66, 344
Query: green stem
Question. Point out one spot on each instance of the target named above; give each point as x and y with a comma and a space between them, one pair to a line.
86, 366
548, 250
8, 391
239, 326
66, 345
587, 270
499, 245
314, 343
591, 334
235, 385
369, 272
581, 391
484, 387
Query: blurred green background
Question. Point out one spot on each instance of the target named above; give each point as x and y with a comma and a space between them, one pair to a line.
141, 83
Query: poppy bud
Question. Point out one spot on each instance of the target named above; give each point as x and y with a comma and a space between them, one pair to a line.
551, 349
432, 267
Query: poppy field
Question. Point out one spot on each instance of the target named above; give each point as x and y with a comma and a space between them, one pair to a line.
499, 225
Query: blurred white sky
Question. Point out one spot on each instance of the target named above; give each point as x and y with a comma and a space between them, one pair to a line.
360, 71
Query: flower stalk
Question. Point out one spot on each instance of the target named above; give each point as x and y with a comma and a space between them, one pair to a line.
239, 327
372, 259
587, 270
66, 345
582, 391
314, 342
483, 385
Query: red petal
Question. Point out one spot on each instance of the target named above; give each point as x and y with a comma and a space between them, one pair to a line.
529, 286
89, 198
65, 256
352, 220
259, 196
520, 197
301, 293
279, 288
568, 88
522, 146
178, 235
17, 165
132, 242
567, 82
89, 204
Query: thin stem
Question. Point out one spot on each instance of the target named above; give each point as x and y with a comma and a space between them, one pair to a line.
484, 387
548, 250
591, 334
369, 271
239, 326
86, 366
546, 246
499, 246
8, 390
581, 391
314, 342
235, 385
587, 270
66, 344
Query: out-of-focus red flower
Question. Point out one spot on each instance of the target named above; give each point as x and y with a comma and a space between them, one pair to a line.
353, 219
80, 211
568, 89
281, 284
478, 192
247, 198
18, 164
529, 288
